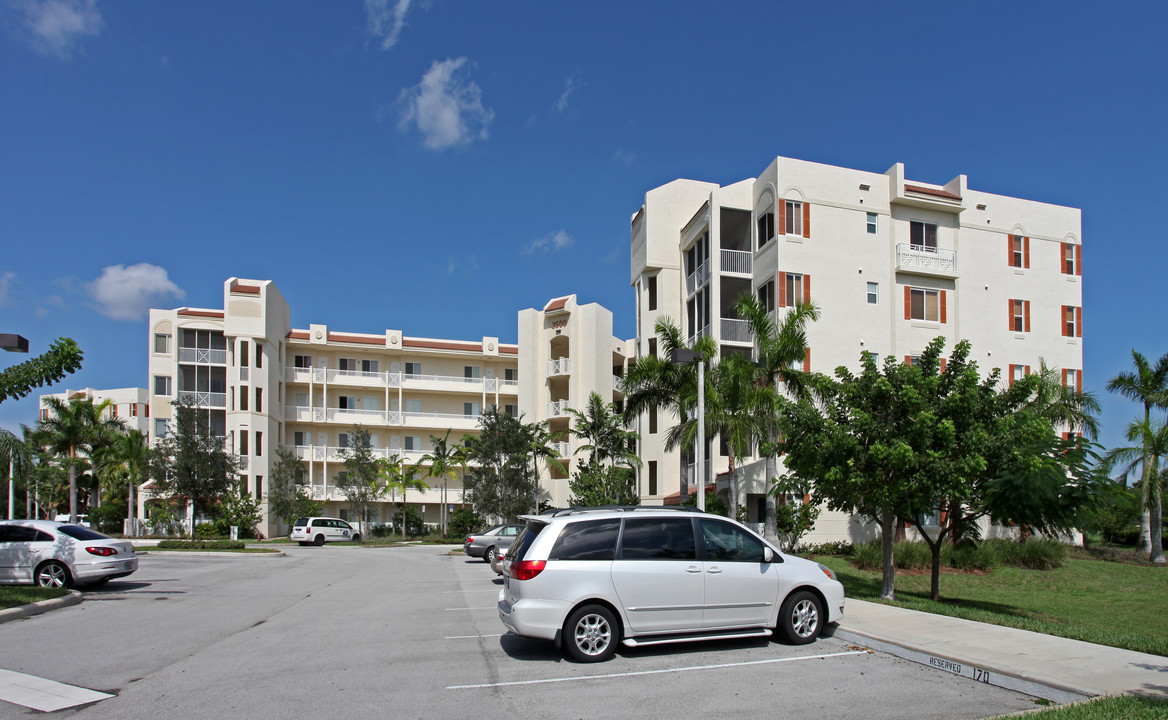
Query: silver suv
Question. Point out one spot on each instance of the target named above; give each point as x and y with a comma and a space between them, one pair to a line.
588, 578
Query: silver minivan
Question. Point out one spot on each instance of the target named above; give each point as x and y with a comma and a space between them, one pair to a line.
590, 578
319, 530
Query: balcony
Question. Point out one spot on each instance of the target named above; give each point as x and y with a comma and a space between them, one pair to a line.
696, 279
199, 398
558, 408
457, 421
923, 260
560, 366
360, 378
202, 356
736, 331
702, 332
737, 262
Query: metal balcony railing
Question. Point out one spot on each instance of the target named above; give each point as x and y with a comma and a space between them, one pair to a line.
924, 259
202, 356
737, 261
560, 366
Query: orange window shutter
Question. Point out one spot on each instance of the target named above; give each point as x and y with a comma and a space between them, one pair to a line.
907, 303
782, 217
944, 364
806, 498
1025, 252
1010, 315
1063, 320
806, 359
908, 359
1026, 314
807, 288
942, 306
806, 220
1064, 377
1025, 369
1078, 322
1011, 378
1078, 259
1079, 381
782, 289
1009, 249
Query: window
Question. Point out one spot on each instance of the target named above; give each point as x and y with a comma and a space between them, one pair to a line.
1019, 251
259, 448
923, 235
259, 355
413, 368
912, 360
243, 442
766, 227
1072, 324
413, 405
1020, 315
348, 365
160, 428
243, 361
794, 288
871, 223
162, 385
588, 540
343, 440
923, 304
259, 487
766, 296
511, 374
728, 543
412, 442
347, 402
511, 410
792, 218
874, 356
302, 361
1072, 259
658, 539
161, 343
873, 293
1073, 379
368, 366
471, 409
301, 399
652, 477
243, 397
653, 292
652, 421
259, 406
301, 438
653, 347
1017, 372
471, 372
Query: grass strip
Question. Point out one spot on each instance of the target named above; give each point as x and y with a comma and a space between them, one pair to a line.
1120, 707
15, 596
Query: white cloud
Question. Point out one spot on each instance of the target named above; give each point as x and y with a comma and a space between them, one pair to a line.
6, 282
55, 27
386, 22
446, 106
126, 293
556, 241
570, 86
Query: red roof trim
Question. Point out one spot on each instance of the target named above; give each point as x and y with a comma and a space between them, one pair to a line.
441, 345
298, 335
246, 289
931, 191
675, 498
362, 339
509, 349
557, 304
187, 312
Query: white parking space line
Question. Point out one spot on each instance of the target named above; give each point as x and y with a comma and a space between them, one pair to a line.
489, 607
463, 592
45, 695
657, 672
471, 637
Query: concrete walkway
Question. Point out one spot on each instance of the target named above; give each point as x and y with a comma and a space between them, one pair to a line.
1059, 669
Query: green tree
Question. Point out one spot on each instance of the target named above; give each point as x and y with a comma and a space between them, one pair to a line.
594, 484
540, 446
1148, 385
443, 463
739, 410
241, 510
191, 464
359, 481
287, 489
400, 477
605, 438
1147, 458
62, 358
16, 459
127, 455
71, 429
499, 481
779, 351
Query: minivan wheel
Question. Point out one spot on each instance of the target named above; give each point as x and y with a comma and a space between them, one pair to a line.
801, 618
590, 634
53, 574
318, 540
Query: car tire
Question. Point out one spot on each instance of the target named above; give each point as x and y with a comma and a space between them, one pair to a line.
357, 537
318, 540
491, 554
590, 634
53, 574
801, 618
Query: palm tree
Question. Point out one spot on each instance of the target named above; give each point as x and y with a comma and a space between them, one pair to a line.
540, 446
443, 462
399, 476
74, 427
1148, 385
14, 453
1149, 455
604, 435
1064, 405
129, 454
779, 350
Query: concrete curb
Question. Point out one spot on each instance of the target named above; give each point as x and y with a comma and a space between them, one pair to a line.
37, 608
212, 553
997, 676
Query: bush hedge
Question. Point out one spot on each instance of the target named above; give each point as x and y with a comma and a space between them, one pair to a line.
1035, 554
200, 545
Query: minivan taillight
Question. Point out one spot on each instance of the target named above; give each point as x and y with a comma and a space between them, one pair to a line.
103, 551
527, 569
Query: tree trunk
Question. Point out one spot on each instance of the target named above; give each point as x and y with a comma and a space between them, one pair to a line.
888, 577
72, 487
1146, 532
131, 511
770, 529
1156, 534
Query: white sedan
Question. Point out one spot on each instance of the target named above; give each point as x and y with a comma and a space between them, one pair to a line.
55, 554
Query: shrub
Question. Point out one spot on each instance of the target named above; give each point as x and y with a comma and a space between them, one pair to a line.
839, 547
209, 531
415, 527
200, 544
463, 522
1036, 553
380, 530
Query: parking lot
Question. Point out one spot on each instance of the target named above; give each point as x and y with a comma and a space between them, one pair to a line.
414, 633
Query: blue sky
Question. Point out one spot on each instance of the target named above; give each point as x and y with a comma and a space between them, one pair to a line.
437, 166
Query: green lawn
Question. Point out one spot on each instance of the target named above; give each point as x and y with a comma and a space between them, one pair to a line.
1108, 708
17, 595
1106, 603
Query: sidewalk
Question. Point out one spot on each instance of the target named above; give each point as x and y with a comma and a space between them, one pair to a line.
1042, 665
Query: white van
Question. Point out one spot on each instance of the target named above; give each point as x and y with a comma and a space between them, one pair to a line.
319, 530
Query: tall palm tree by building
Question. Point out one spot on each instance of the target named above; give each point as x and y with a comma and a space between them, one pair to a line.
1148, 385
129, 454
398, 476
71, 428
15, 459
739, 410
1148, 454
605, 437
540, 444
442, 463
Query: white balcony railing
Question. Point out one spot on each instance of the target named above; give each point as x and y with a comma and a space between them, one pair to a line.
696, 279
204, 399
737, 261
202, 356
242, 463
702, 332
559, 366
928, 260
558, 408
429, 381
736, 331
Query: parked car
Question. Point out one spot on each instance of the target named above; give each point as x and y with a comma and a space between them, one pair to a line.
497, 561
55, 554
319, 530
588, 579
491, 542
81, 519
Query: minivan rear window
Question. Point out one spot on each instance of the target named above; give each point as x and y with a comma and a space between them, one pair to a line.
301, 522
587, 540
519, 547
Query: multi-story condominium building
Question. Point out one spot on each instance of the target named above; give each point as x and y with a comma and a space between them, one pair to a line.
130, 405
266, 383
895, 263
